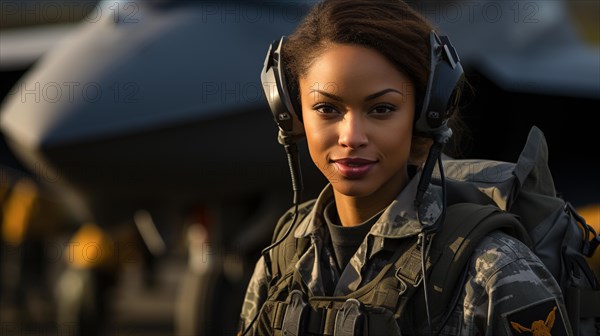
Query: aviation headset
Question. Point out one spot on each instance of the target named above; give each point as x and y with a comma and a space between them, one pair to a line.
433, 110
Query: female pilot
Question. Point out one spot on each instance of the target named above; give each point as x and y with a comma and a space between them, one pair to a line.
358, 72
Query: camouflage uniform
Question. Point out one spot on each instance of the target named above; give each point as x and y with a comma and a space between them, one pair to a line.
507, 287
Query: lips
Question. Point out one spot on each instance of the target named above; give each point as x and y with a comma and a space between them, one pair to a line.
354, 168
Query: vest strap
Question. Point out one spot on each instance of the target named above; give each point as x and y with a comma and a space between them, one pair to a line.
409, 267
280, 308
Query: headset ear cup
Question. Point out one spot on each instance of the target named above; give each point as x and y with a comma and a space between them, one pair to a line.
283, 102
444, 87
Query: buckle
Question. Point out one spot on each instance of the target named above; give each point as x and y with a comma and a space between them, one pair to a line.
410, 272
350, 319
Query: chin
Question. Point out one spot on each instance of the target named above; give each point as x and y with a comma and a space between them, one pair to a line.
353, 188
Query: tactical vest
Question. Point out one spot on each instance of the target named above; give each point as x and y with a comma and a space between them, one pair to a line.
371, 310
381, 306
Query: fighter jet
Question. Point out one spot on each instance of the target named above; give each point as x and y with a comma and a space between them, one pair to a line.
152, 110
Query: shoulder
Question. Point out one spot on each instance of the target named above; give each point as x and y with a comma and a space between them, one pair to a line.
256, 294
500, 259
498, 250
286, 219
507, 282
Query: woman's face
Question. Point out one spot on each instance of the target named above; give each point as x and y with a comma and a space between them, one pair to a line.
358, 116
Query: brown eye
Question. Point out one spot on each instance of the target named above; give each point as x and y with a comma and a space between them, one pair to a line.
383, 109
326, 109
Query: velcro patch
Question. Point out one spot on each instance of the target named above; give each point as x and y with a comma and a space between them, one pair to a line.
542, 318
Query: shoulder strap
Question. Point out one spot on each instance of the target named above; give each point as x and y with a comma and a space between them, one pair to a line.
465, 192
287, 253
465, 225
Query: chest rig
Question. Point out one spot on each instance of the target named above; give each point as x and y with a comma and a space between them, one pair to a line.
377, 308
394, 299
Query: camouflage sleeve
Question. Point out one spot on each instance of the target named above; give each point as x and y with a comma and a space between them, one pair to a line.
256, 295
509, 291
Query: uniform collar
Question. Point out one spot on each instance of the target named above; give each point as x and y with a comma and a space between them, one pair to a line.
398, 220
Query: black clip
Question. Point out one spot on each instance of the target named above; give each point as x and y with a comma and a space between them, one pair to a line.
349, 320
295, 314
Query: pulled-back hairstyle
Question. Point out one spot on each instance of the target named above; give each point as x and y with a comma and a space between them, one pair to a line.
390, 27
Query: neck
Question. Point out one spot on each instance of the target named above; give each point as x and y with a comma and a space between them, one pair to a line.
355, 210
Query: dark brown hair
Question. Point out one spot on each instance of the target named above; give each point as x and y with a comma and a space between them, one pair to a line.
390, 27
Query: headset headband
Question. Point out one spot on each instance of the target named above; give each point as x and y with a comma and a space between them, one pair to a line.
440, 98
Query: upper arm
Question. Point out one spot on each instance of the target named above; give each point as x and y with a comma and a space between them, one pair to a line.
256, 294
509, 290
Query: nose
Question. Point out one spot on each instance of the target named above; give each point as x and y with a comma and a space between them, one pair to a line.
352, 132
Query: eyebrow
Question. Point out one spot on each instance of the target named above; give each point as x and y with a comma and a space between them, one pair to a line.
367, 98
381, 93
